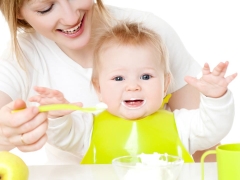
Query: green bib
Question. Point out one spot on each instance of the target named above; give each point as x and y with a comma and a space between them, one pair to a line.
114, 136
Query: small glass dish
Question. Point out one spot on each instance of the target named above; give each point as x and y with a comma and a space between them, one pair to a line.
148, 166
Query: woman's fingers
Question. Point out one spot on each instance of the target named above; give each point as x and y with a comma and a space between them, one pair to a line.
16, 119
11, 121
34, 136
19, 104
33, 124
34, 146
21, 117
31, 137
24, 129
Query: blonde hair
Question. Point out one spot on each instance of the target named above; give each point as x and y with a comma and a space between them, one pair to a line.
127, 33
11, 10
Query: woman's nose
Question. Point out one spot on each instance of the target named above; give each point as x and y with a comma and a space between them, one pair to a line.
69, 14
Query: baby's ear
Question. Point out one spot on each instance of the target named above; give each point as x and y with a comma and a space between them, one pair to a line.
167, 80
98, 91
99, 96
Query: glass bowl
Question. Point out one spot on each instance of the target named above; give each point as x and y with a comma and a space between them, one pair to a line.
148, 166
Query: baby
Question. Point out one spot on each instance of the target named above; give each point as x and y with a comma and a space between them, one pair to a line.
131, 75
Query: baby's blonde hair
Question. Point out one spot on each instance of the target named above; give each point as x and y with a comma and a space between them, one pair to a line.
128, 33
11, 10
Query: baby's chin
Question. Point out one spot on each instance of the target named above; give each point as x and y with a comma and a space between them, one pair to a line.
133, 115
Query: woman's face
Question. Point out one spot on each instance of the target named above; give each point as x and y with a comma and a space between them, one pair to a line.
66, 22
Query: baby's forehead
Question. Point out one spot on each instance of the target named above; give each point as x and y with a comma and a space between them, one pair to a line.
146, 46
122, 50
119, 44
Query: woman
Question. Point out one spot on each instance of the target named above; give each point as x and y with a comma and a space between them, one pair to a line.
54, 49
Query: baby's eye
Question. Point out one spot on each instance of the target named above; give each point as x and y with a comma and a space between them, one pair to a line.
118, 78
145, 77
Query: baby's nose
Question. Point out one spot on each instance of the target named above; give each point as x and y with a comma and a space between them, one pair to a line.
133, 87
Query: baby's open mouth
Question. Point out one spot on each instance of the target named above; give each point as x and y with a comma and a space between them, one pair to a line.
133, 103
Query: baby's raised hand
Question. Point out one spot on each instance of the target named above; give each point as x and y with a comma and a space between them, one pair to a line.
212, 84
50, 96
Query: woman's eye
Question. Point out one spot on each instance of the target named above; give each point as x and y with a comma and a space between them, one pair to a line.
47, 10
145, 77
118, 78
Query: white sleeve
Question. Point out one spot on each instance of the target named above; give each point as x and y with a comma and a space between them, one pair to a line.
18, 79
71, 133
205, 127
13, 79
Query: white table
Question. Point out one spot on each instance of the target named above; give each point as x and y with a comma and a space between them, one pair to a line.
106, 172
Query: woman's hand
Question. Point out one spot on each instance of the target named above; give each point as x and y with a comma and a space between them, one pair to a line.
25, 129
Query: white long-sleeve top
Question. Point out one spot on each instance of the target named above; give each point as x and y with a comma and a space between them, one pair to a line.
198, 129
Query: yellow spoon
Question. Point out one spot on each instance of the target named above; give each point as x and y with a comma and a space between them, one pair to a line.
56, 107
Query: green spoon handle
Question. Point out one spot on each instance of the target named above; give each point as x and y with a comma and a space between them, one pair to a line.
57, 107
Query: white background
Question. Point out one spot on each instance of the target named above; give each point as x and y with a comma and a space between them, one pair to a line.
210, 29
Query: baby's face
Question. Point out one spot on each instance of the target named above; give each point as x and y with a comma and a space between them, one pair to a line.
131, 81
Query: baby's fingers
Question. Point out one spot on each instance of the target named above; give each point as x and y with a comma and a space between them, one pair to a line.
42, 90
206, 69
191, 80
230, 78
58, 113
35, 99
47, 92
220, 69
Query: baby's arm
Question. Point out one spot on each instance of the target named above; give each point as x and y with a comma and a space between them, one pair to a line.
205, 127
69, 132
212, 84
50, 96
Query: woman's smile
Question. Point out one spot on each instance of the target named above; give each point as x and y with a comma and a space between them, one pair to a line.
75, 31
